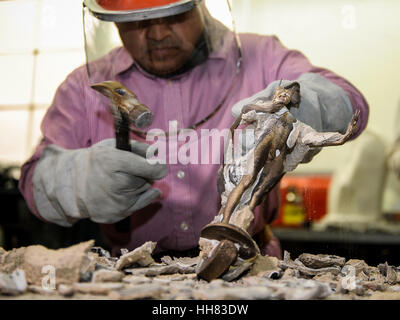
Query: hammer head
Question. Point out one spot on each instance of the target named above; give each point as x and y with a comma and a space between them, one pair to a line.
126, 102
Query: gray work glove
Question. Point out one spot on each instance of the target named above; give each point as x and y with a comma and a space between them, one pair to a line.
101, 182
324, 106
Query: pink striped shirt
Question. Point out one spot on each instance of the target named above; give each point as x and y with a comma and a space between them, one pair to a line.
78, 118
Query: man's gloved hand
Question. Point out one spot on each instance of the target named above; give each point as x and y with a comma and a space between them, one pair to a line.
324, 106
101, 182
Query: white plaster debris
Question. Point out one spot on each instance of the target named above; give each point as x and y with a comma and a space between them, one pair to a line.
307, 277
140, 256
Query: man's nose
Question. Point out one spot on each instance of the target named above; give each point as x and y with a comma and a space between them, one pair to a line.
158, 30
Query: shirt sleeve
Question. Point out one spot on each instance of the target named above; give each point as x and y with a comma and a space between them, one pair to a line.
64, 124
282, 63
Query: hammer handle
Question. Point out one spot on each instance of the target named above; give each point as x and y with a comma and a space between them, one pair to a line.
122, 132
123, 143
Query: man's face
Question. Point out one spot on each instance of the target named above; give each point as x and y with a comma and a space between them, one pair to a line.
162, 46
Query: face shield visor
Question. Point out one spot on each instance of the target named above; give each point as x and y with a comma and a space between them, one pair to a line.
163, 38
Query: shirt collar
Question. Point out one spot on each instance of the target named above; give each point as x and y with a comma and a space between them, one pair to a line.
123, 60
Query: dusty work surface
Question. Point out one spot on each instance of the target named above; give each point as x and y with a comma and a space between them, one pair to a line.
86, 272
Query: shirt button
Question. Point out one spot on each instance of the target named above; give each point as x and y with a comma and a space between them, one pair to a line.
184, 226
180, 174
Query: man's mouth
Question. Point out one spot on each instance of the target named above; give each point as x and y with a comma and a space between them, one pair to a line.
161, 52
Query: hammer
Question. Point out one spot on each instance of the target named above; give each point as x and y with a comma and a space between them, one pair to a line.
126, 110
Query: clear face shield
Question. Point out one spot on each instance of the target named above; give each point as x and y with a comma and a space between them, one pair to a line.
163, 38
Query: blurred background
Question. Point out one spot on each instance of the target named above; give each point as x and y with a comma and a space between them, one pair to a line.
41, 42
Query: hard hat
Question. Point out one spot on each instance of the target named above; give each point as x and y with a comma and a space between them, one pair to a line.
135, 10
106, 59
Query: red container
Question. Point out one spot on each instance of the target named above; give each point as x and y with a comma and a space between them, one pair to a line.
303, 199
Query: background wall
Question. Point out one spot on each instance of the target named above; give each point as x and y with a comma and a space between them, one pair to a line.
41, 42
358, 39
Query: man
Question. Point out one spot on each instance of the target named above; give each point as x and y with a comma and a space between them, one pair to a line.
187, 68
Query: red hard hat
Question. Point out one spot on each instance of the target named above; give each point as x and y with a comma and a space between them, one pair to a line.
120, 5
133, 10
